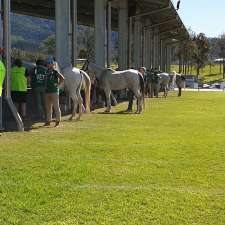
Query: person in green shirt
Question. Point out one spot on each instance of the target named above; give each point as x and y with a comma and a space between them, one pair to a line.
2, 76
38, 77
53, 81
19, 76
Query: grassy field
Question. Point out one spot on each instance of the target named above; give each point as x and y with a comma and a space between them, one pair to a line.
166, 166
206, 75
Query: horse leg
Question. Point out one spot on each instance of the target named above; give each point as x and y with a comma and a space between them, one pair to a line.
179, 94
114, 99
80, 104
75, 102
149, 90
165, 92
139, 100
108, 100
152, 89
157, 91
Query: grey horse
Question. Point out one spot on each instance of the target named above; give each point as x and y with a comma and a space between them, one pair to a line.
158, 82
111, 80
74, 80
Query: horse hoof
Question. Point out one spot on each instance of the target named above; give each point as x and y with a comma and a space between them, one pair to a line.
71, 118
107, 111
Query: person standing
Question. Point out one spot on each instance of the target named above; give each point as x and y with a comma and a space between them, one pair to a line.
19, 76
38, 77
2, 76
53, 81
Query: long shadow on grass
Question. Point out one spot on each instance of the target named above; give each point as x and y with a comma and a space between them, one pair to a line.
117, 113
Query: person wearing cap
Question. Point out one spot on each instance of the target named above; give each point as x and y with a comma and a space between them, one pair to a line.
38, 82
19, 76
142, 70
53, 80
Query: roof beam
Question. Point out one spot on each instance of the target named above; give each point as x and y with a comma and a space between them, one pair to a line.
153, 12
161, 23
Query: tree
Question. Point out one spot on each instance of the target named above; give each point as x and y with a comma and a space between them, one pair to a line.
86, 43
221, 46
202, 51
185, 53
49, 45
83, 54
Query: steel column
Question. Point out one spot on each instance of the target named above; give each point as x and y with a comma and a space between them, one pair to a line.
63, 40
100, 35
147, 48
1, 43
123, 34
137, 43
7, 50
74, 32
109, 35
156, 47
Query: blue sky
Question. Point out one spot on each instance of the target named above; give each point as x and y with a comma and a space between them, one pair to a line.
207, 16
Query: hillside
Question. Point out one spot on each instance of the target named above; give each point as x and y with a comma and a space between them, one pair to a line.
28, 33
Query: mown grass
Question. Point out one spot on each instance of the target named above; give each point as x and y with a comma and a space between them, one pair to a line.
165, 166
207, 75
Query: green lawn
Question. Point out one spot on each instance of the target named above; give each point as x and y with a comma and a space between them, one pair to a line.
166, 166
207, 75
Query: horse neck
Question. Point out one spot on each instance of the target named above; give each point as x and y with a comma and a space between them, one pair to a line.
96, 69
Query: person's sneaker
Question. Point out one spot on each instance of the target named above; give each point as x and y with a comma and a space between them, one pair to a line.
47, 124
56, 123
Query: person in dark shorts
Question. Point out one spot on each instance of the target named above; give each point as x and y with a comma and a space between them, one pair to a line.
38, 77
19, 76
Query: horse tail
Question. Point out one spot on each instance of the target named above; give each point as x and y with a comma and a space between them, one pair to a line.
142, 87
87, 83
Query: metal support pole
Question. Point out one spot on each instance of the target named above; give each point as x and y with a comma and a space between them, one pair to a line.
123, 34
100, 35
156, 47
152, 49
147, 47
109, 35
63, 22
74, 32
7, 49
168, 57
130, 64
137, 43
1, 123
161, 56
1, 43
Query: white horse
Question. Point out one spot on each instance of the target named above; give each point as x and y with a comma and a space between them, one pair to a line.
75, 79
111, 80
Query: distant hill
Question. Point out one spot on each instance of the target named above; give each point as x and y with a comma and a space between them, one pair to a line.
28, 32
